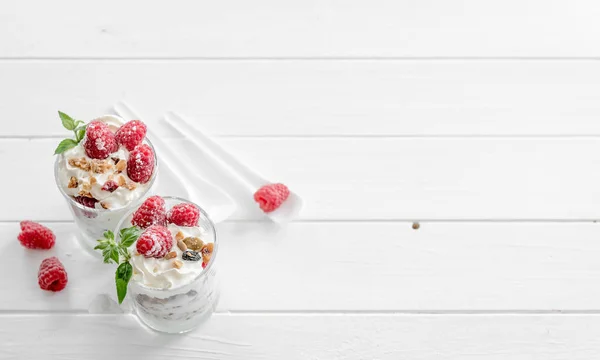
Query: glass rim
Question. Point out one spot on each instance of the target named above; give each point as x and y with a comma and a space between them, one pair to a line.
213, 228
94, 210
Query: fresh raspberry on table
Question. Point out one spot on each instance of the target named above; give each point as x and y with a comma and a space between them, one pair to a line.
156, 241
99, 141
270, 197
131, 134
184, 215
140, 164
36, 236
110, 186
152, 211
52, 275
86, 201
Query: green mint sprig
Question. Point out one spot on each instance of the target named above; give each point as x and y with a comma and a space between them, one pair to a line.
70, 124
117, 253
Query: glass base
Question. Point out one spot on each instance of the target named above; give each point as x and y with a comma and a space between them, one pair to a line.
175, 321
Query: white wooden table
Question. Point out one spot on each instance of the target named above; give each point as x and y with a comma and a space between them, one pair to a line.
479, 120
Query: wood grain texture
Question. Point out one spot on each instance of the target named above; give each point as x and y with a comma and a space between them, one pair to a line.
372, 179
353, 267
359, 98
269, 28
517, 337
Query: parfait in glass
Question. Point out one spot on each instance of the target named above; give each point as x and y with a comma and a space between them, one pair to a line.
167, 250
105, 170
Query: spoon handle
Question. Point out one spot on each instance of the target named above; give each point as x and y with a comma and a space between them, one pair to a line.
183, 125
171, 162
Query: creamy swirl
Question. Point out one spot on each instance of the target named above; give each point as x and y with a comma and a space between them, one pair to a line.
160, 273
121, 197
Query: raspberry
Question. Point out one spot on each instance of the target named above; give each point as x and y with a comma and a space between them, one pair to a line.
140, 164
270, 197
184, 215
99, 141
52, 275
131, 134
151, 212
36, 236
110, 186
86, 201
156, 241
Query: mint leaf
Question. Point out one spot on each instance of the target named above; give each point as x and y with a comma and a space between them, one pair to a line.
114, 254
129, 236
122, 276
67, 121
101, 246
79, 133
65, 145
109, 235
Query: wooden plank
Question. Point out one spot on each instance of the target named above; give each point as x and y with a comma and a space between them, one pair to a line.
268, 28
293, 337
250, 98
371, 179
352, 266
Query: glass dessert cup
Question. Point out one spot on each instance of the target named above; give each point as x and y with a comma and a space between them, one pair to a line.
180, 308
92, 222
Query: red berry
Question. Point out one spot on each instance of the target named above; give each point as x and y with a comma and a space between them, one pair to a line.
110, 186
203, 265
156, 241
140, 164
99, 141
184, 215
152, 211
131, 134
270, 197
36, 236
52, 275
86, 201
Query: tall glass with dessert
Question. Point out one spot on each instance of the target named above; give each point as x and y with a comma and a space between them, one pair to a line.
107, 168
166, 251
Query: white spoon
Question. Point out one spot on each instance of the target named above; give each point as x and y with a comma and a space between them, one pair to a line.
245, 176
218, 204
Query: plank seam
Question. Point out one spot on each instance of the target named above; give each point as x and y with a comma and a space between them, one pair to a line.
300, 58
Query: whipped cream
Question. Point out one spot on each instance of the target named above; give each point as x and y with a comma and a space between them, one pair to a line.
160, 273
120, 197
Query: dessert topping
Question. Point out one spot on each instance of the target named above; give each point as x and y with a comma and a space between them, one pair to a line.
191, 255
73, 183
152, 211
121, 165
155, 242
181, 245
110, 186
131, 134
141, 164
73, 125
193, 243
185, 214
80, 163
99, 142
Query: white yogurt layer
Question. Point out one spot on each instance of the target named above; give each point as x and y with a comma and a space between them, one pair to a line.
160, 273
120, 197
